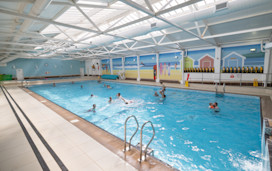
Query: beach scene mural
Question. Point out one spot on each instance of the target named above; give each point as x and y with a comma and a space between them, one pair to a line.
199, 59
242, 56
169, 66
116, 65
131, 67
147, 64
105, 66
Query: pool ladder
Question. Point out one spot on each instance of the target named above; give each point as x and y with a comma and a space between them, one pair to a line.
25, 83
216, 90
140, 144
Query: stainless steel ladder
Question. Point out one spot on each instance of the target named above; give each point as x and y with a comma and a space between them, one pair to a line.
141, 138
218, 93
125, 145
25, 83
141, 142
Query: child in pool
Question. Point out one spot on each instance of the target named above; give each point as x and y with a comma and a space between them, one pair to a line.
92, 109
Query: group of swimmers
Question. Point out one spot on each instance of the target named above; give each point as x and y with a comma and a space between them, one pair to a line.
214, 106
162, 91
110, 101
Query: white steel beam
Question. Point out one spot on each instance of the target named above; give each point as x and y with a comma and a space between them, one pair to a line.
156, 15
64, 33
149, 5
206, 37
86, 16
60, 24
163, 7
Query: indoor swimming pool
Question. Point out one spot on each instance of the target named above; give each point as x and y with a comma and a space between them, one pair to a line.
189, 136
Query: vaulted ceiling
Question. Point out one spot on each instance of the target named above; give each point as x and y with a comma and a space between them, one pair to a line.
84, 29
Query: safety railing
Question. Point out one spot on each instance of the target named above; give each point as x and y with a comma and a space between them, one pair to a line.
141, 141
25, 83
125, 145
264, 79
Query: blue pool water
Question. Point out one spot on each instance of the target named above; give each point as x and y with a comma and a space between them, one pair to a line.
188, 135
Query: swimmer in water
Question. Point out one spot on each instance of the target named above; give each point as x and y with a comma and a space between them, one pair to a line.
73, 82
163, 88
121, 98
99, 80
109, 87
92, 109
81, 86
105, 85
54, 84
211, 106
91, 96
214, 106
156, 94
110, 100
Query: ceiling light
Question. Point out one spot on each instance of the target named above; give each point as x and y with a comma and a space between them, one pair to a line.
252, 49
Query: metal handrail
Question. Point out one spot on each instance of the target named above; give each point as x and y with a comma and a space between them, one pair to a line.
125, 145
216, 86
141, 146
224, 86
24, 82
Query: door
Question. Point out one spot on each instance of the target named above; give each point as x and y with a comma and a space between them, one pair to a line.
82, 72
20, 74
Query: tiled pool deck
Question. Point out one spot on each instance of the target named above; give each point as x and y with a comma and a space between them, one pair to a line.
79, 144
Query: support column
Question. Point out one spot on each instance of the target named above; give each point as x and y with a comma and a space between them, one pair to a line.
111, 70
100, 67
217, 65
138, 68
182, 81
123, 64
267, 67
158, 71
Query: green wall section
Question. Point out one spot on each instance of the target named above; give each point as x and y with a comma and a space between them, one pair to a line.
43, 67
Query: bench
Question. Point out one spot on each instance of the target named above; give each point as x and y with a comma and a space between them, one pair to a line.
113, 77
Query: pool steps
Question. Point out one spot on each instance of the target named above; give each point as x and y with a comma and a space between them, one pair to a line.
140, 145
219, 94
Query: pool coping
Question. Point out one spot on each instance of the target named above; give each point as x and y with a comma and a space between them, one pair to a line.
108, 140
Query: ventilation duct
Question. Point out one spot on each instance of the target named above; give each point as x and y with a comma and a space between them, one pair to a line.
221, 6
153, 25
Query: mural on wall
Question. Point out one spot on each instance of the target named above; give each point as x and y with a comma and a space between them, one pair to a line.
147, 64
206, 61
105, 66
169, 66
233, 60
199, 59
43, 67
242, 56
131, 67
116, 65
189, 62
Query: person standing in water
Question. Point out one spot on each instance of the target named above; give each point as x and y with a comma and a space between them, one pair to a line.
92, 109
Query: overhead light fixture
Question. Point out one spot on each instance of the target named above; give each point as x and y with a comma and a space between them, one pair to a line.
252, 49
38, 48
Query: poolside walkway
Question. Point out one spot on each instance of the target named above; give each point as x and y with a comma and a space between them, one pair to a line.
75, 149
